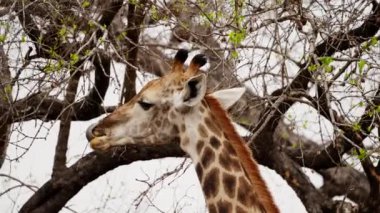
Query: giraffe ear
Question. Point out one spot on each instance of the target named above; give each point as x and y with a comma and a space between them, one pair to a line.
228, 97
194, 90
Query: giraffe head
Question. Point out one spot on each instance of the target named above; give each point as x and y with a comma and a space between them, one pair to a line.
157, 113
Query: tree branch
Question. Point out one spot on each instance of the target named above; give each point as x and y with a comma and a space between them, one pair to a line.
368, 29
59, 165
5, 100
41, 106
54, 194
135, 18
330, 156
263, 141
345, 181
343, 41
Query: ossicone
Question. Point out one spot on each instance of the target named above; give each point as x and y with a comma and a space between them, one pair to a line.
179, 59
197, 62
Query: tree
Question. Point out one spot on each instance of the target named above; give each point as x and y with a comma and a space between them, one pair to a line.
318, 54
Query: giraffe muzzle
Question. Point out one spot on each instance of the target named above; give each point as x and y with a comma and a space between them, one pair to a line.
93, 132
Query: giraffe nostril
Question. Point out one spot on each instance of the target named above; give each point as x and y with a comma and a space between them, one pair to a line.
98, 132
93, 131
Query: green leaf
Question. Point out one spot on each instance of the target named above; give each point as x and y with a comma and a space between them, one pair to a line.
133, 2
365, 45
49, 68
377, 109
328, 68
353, 82
86, 4
373, 41
361, 65
2, 38
370, 113
211, 15
74, 58
305, 124
7, 93
60, 64
62, 33
91, 23
53, 53
326, 60
356, 127
312, 68
234, 54
362, 154
121, 36
8, 89
236, 37
154, 14
87, 52
23, 38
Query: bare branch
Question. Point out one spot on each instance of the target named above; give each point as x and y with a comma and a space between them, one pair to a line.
54, 194
135, 18
65, 124
5, 100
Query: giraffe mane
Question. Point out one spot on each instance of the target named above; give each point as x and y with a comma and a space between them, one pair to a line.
244, 154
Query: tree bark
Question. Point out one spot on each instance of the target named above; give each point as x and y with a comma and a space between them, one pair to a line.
5, 101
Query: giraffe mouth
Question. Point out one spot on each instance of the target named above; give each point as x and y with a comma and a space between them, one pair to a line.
137, 138
93, 132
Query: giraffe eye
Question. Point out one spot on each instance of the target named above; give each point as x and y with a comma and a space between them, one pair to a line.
146, 106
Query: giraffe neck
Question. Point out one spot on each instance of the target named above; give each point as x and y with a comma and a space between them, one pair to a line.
229, 176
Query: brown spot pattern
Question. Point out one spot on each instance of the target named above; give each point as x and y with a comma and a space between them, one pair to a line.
175, 130
185, 141
212, 208
165, 122
229, 163
176, 140
208, 157
229, 148
224, 206
202, 109
211, 183
165, 108
229, 183
199, 170
240, 210
144, 126
172, 115
245, 195
235, 165
245, 172
214, 142
200, 146
224, 162
202, 131
213, 126
183, 128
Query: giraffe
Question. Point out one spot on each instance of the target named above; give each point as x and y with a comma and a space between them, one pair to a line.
177, 107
